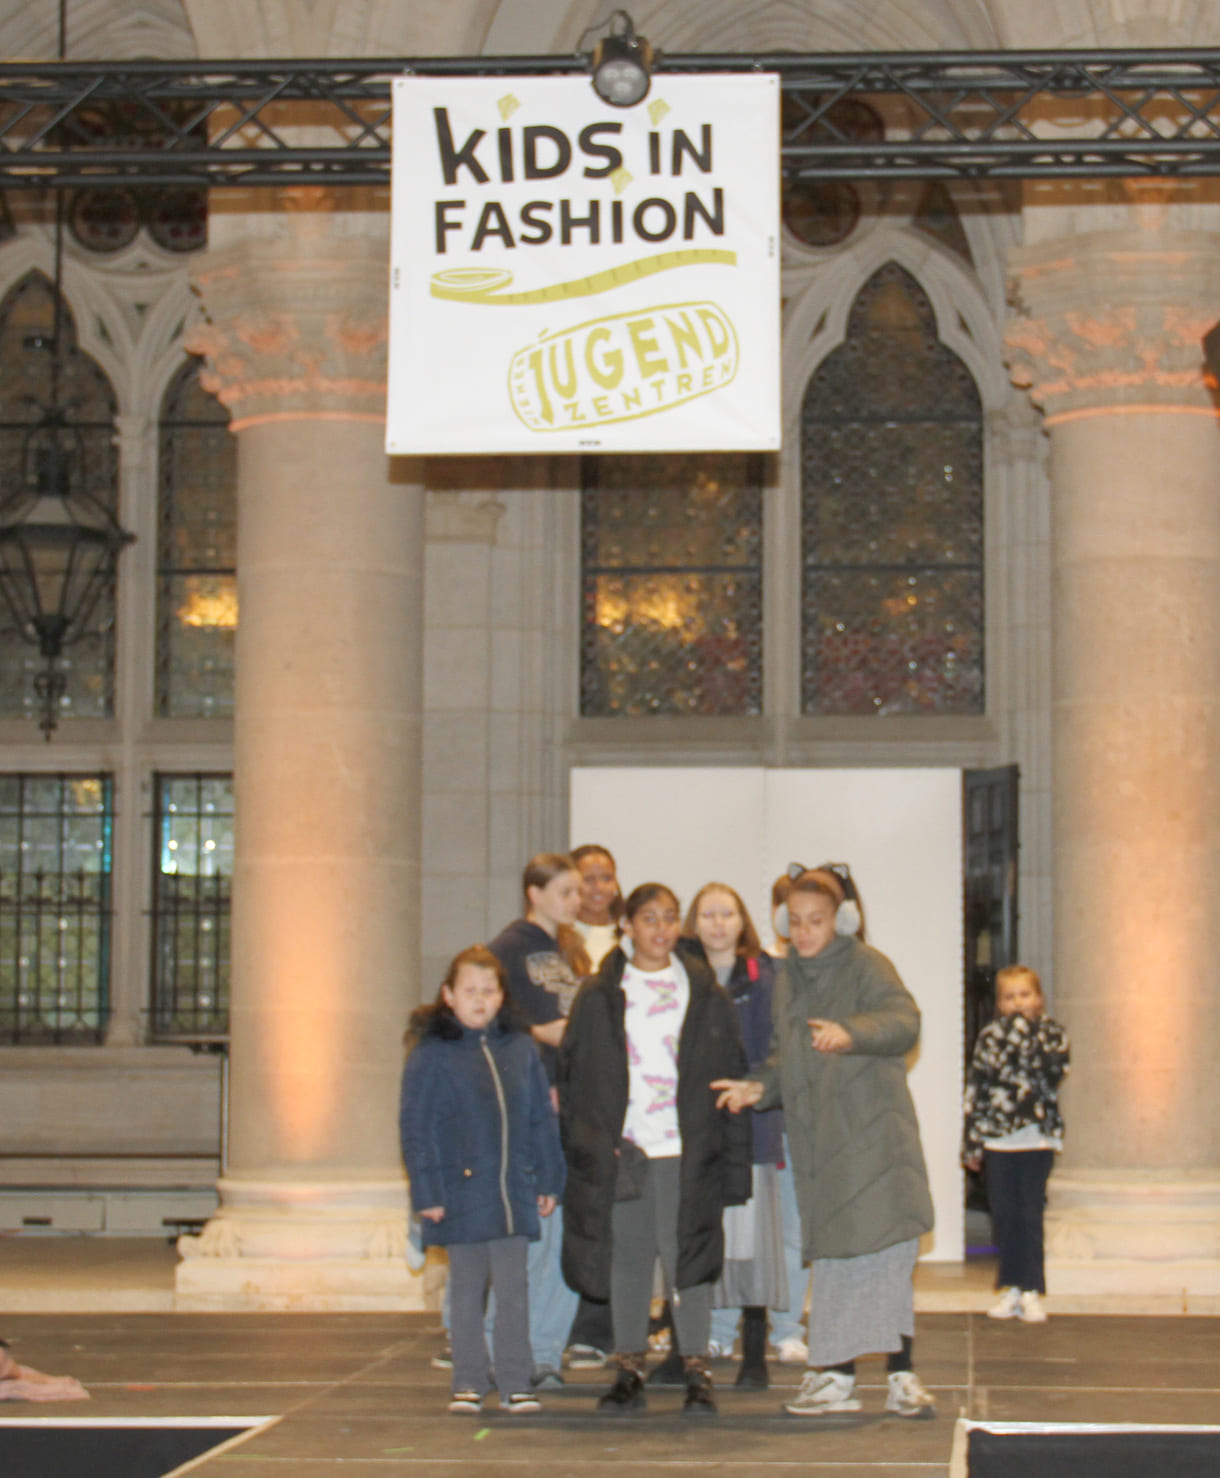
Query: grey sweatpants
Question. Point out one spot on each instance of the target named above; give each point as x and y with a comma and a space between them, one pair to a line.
643, 1230
472, 1266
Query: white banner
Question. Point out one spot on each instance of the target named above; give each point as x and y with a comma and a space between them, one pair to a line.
569, 277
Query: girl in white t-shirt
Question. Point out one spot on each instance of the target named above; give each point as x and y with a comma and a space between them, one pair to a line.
648, 1151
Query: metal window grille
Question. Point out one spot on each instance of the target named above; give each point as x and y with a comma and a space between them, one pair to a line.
192, 893
55, 907
25, 370
196, 552
892, 516
671, 556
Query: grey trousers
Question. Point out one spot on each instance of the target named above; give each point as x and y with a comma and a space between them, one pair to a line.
643, 1230
472, 1267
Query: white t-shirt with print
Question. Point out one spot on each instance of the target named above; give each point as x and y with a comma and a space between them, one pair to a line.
656, 1009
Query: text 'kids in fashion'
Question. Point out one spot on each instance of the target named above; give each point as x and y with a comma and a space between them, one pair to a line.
1014, 1130
481, 1144
652, 1162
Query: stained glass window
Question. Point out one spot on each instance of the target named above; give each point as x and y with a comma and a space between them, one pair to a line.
196, 553
672, 577
26, 320
192, 883
892, 516
55, 863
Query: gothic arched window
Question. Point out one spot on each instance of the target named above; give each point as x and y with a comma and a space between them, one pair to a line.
196, 552
892, 516
26, 320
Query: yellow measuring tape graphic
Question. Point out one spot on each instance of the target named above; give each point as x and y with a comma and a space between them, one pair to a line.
483, 284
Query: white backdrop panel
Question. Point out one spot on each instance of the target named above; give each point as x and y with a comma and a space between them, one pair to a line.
901, 832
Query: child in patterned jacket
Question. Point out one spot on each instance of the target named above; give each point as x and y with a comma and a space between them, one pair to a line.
1013, 1131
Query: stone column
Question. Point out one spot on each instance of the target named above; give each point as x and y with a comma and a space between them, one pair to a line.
1108, 340
326, 737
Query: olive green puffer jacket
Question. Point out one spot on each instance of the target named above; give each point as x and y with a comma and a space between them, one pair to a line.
861, 1182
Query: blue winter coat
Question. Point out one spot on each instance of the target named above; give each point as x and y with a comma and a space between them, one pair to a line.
479, 1134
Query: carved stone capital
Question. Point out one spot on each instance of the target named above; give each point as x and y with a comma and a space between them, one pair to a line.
1114, 320
295, 328
1016, 431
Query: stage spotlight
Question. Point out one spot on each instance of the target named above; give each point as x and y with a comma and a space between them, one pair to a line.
621, 64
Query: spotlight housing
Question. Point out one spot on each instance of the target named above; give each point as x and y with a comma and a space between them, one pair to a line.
621, 64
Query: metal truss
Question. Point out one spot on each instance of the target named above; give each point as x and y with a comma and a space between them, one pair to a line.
948, 115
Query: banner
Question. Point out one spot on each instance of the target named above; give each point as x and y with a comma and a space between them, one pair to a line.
571, 277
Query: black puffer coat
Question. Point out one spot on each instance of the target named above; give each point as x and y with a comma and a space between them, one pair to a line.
593, 1086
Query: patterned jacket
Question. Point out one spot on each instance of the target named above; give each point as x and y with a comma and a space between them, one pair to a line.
1014, 1079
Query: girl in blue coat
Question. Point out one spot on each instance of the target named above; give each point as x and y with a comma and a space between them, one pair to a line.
481, 1144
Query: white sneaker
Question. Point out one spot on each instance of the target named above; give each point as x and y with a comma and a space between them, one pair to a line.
1008, 1307
823, 1392
466, 1403
792, 1351
909, 1397
1031, 1308
718, 1351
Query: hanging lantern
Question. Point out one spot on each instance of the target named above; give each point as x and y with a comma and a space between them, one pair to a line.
59, 551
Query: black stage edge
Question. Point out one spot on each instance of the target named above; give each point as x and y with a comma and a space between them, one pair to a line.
45, 1450
1099, 1454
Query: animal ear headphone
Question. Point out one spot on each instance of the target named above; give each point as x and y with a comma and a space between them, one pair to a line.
779, 914
847, 916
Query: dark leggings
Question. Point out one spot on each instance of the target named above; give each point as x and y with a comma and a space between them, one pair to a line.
1016, 1193
895, 1360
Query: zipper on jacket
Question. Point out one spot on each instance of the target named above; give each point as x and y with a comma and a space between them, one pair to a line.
495, 1078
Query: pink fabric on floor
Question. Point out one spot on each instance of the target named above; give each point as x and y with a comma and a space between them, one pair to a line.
32, 1385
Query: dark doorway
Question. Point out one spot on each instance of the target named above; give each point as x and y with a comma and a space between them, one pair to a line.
990, 846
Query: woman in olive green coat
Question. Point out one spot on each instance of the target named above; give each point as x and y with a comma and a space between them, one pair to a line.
843, 1025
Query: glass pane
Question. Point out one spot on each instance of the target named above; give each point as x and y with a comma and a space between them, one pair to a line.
55, 851
26, 319
895, 642
892, 516
192, 892
676, 644
197, 553
672, 555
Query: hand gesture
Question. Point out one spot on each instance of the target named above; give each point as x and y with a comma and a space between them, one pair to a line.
829, 1036
736, 1094
546, 1204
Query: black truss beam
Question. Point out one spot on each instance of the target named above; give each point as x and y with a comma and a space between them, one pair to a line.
947, 115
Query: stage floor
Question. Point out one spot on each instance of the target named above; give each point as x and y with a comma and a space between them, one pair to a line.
357, 1396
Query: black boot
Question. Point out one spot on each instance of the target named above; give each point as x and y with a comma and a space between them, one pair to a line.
626, 1395
699, 1399
753, 1373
